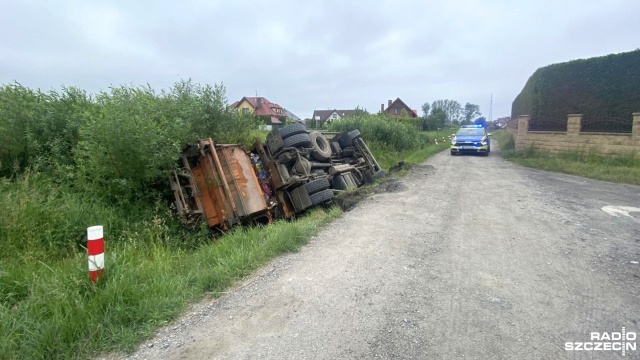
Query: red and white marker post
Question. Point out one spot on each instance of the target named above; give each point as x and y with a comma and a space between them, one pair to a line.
95, 248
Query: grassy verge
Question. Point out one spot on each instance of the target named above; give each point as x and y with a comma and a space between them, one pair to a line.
621, 169
48, 308
425, 148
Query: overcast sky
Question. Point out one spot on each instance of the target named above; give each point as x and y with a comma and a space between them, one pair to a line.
308, 55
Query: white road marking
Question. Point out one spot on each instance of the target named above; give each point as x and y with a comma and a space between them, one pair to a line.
620, 210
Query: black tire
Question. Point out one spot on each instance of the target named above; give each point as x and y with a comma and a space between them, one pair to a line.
316, 185
291, 130
321, 197
453, 154
321, 147
297, 140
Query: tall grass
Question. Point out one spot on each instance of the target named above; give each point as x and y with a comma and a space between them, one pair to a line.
621, 168
49, 309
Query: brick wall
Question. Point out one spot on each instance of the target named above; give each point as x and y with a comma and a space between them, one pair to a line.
574, 140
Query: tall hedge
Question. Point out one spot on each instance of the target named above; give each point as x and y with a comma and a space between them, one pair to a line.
606, 86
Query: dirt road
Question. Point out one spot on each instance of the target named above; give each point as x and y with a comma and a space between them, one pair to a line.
468, 257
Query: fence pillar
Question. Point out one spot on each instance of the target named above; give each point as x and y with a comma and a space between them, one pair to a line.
521, 135
635, 129
574, 122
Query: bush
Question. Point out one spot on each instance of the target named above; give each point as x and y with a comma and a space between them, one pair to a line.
380, 129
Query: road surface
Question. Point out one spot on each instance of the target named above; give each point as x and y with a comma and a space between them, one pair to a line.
466, 257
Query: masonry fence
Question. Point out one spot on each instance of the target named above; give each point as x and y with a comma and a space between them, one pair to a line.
575, 134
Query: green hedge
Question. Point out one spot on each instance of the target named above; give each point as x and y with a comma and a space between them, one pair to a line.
607, 86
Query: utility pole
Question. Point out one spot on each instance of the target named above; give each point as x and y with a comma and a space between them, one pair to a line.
491, 109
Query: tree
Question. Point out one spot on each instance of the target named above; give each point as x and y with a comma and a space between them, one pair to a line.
470, 112
425, 109
451, 108
436, 120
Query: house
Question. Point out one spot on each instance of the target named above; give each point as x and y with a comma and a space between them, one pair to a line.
398, 108
321, 117
272, 113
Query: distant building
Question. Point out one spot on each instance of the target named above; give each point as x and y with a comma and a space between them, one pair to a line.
272, 113
398, 108
320, 117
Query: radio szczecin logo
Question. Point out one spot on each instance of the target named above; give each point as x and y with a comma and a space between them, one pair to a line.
606, 341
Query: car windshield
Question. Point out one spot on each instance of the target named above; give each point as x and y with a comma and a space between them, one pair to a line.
470, 132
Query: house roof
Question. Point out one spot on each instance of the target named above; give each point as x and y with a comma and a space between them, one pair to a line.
324, 114
291, 115
410, 111
265, 110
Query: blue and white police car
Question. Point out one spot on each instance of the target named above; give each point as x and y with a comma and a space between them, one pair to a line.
471, 139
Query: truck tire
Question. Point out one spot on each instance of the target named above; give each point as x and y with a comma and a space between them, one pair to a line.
346, 139
291, 130
316, 185
321, 197
297, 140
321, 147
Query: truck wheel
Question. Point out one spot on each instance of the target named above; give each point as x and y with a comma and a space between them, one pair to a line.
346, 139
297, 140
291, 130
321, 147
321, 197
316, 185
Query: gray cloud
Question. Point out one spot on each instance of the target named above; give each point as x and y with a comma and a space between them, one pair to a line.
311, 55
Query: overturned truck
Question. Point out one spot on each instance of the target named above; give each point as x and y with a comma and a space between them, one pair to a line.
296, 169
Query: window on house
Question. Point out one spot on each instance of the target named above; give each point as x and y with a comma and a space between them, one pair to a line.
396, 111
245, 111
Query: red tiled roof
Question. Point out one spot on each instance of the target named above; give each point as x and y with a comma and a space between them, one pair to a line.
266, 109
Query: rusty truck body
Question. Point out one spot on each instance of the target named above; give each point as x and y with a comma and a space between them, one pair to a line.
295, 169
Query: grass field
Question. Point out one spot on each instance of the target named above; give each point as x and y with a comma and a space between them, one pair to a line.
621, 169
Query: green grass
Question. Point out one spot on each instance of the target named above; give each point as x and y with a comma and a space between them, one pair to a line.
49, 309
423, 149
620, 169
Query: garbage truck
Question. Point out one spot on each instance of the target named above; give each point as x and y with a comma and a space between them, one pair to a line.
293, 170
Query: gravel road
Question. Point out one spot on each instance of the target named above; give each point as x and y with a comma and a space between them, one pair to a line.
466, 257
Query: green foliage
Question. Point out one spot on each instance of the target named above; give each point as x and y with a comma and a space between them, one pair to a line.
436, 120
471, 111
595, 87
451, 108
36, 125
390, 133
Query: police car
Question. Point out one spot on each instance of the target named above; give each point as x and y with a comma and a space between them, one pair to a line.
471, 139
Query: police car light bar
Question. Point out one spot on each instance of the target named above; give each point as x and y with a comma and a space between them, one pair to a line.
471, 126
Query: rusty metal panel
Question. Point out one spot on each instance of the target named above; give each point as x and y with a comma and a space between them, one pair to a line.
244, 187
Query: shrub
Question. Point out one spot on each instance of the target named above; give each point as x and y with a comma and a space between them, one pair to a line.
382, 130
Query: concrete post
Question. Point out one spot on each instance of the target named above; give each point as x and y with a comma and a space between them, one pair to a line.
574, 122
635, 129
523, 127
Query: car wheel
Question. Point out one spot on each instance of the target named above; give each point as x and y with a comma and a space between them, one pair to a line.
291, 130
321, 197
321, 147
297, 140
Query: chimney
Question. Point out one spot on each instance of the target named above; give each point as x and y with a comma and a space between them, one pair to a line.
381, 108
258, 103
388, 106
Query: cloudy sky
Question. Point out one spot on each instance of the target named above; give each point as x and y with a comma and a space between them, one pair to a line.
308, 55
